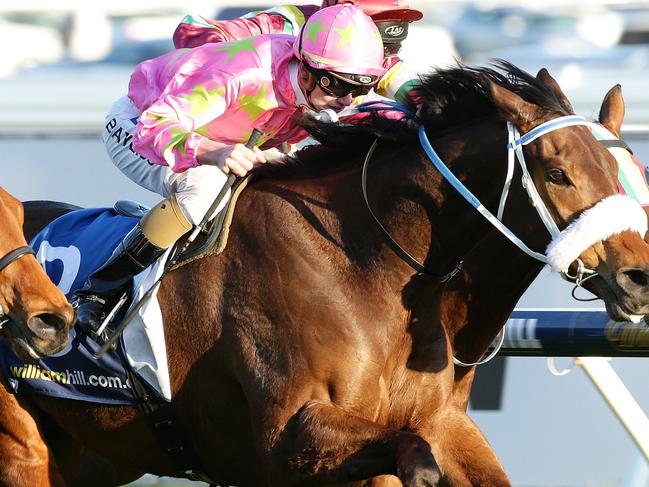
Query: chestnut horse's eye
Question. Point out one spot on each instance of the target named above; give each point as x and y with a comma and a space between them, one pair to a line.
556, 176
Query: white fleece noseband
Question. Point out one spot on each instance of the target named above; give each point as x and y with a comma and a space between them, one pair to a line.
612, 215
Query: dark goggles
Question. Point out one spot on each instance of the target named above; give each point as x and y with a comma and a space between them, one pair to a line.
339, 88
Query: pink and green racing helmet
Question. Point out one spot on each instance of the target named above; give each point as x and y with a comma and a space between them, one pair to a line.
343, 40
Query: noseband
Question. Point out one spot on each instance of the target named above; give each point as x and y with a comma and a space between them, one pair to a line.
15, 255
6, 261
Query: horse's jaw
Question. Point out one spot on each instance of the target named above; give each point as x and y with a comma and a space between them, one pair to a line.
616, 313
28, 346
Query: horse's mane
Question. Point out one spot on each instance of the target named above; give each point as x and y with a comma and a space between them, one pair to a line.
446, 97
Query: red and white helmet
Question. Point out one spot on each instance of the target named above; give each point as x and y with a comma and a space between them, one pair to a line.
342, 39
382, 10
391, 17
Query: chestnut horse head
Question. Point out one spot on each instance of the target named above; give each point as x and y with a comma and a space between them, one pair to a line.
36, 318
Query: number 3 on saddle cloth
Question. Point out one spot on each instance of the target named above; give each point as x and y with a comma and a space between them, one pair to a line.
70, 249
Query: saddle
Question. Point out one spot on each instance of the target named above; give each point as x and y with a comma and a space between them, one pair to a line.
211, 241
215, 235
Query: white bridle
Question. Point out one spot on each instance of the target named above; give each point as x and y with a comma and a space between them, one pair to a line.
610, 216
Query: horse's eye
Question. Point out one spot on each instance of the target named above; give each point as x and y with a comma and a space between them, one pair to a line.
556, 176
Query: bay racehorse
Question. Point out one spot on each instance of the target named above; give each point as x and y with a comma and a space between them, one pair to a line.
34, 315
309, 352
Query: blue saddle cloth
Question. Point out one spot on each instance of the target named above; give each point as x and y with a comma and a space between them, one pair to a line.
70, 249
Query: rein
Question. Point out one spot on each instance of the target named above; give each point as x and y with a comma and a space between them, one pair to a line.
398, 249
514, 150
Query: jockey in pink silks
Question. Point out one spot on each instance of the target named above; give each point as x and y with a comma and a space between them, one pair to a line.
182, 128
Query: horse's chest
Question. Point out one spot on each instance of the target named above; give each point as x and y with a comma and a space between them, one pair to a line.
415, 394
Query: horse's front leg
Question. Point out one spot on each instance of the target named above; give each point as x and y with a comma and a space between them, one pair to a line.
464, 455
25, 460
322, 443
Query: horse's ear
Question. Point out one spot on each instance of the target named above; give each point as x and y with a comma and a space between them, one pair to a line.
611, 114
544, 77
511, 106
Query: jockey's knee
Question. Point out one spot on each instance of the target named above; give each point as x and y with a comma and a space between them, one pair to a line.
197, 190
165, 223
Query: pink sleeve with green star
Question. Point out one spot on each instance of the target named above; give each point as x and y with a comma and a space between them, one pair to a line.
219, 91
168, 132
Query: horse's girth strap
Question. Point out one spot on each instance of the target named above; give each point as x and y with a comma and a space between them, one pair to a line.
229, 213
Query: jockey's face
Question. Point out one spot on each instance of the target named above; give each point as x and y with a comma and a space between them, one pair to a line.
323, 90
321, 100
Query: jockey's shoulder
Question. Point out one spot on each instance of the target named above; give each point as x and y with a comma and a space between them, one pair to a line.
294, 16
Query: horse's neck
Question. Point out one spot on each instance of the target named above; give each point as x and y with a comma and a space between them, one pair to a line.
494, 278
422, 212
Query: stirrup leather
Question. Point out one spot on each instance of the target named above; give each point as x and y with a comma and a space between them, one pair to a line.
105, 330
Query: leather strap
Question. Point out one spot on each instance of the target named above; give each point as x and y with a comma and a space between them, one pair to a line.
167, 430
400, 251
609, 143
14, 255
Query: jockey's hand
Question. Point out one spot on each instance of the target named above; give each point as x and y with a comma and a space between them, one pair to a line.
239, 160
236, 159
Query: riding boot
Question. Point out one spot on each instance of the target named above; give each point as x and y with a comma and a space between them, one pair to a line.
157, 230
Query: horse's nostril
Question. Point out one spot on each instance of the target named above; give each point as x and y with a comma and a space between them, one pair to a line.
637, 277
48, 322
633, 279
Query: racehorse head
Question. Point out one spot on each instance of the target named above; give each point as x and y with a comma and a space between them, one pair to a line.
577, 179
592, 227
475, 305
35, 316
611, 116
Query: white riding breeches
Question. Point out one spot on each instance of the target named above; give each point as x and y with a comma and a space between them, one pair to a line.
195, 188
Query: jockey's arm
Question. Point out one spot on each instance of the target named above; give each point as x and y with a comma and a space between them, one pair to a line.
398, 81
171, 129
195, 31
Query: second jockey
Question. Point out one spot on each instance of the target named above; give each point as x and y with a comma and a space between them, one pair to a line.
188, 113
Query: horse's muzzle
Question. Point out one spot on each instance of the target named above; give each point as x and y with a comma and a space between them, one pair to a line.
633, 285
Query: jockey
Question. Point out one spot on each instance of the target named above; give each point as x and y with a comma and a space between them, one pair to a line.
392, 18
189, 113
